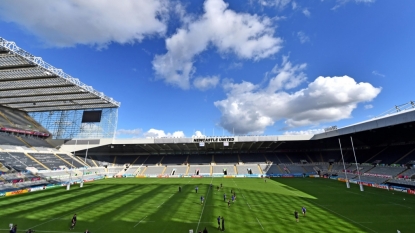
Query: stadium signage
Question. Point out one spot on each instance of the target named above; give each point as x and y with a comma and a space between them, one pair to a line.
21, 131
215, 139
331, 128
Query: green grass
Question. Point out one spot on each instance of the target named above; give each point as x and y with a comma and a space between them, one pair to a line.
155, 205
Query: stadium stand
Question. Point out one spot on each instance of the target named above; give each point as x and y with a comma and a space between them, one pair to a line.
141, 160
154, 170
248, 169
273, 169
222, 169
294, 168
200, 159
178, 170
9, 139
226, 159
18, 161
203, 169
50, 161
252, 158
391, 154
174, 159
386, 171
153, 159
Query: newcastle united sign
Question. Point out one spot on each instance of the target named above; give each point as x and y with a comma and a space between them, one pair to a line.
214, 139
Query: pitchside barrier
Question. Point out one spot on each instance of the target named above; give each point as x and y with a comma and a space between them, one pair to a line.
375, 185
5, 193
295, 175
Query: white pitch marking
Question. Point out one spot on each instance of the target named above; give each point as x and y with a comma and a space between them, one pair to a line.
344, 217
203, 209
163, 202
260, 224
49, 231
400, 205
337, 213
140, 221
234, 182
249, 206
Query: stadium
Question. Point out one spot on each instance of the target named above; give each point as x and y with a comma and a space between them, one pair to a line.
59, 157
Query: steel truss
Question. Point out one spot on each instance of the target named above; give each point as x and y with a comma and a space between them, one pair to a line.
13, 48
68, 124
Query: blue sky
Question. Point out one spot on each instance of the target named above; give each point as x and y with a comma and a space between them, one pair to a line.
250, 67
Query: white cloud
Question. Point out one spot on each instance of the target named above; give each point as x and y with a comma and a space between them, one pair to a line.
157, 133
306, 12
287, 76
198, 134
303, 37
134, 132
205, 83
247, 36
294, 5
304, 132
375, 72
340, 3
94, 22
368, 106
275, 3
249, 108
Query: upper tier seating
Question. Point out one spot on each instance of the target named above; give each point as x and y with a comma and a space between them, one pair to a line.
226, 159
153, 159
174, 159
199, 159
49, 160
254, 158
392, 153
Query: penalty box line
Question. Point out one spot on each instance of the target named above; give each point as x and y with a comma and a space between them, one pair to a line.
247, 203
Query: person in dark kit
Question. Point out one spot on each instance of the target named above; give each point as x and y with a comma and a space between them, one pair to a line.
211, 185
304, 210
87, 231
217, 189
224, 197
231, 191
201, 200
218, 222
197, 188
265, 180
296, 215
223, 224
180, 188
14, 229
220, 185
73, 222
229, 203
205, 230
233, 198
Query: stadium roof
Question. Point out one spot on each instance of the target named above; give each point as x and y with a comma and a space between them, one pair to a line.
387, 129
30, 84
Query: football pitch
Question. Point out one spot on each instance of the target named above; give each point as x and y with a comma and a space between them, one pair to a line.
156, 205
